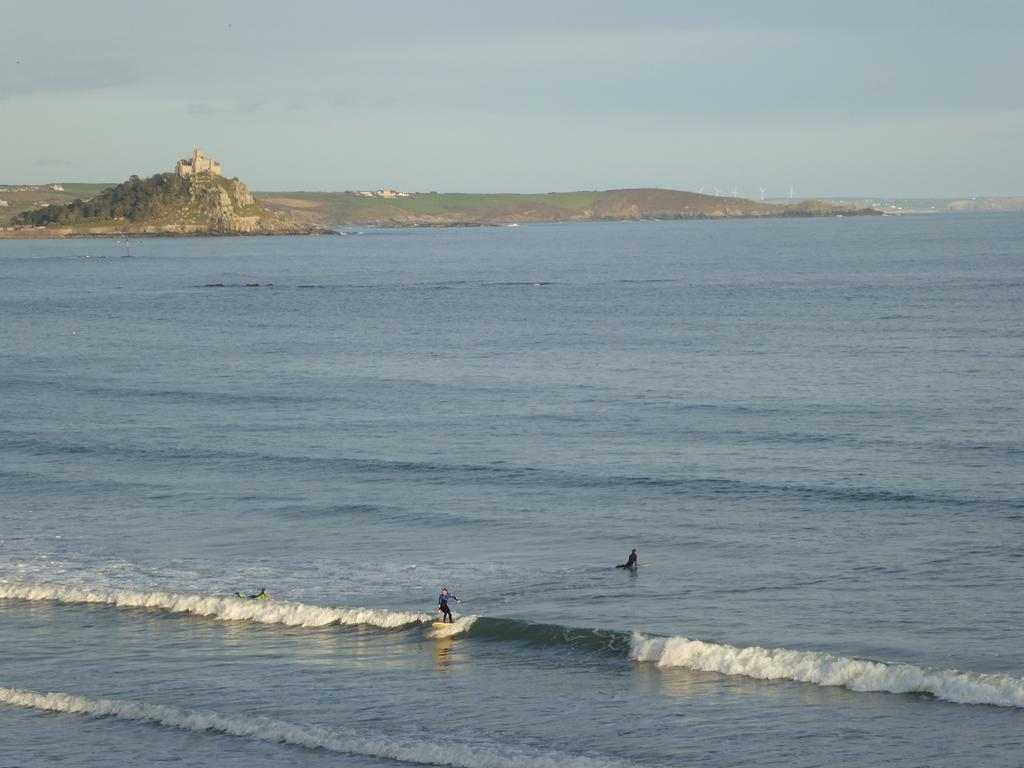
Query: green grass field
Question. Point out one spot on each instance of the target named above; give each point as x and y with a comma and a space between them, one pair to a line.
346, 207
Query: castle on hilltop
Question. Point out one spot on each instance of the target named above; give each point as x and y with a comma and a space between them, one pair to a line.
199, 163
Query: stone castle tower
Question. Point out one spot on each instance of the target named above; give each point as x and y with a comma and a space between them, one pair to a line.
199, 163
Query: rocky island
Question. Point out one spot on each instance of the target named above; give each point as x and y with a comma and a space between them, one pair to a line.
194, 200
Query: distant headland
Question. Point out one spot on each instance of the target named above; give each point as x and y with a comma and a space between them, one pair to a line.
194, 200
413, 209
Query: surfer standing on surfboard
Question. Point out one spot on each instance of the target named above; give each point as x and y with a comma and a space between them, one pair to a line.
442, 605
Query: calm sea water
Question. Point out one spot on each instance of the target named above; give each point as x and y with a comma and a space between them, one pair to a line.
811, 430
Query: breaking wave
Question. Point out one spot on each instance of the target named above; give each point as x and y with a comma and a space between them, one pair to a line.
307, 736
826, 670
859, 675
220, 607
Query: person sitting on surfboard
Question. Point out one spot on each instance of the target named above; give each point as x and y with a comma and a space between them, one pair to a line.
631, 563
442, 605
261, 595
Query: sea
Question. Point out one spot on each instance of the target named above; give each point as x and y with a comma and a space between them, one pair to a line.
811, 430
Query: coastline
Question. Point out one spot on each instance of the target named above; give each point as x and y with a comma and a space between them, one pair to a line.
70, 233
498, 209
313, 230
234, 211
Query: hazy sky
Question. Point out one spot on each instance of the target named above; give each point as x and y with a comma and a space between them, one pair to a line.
835, 98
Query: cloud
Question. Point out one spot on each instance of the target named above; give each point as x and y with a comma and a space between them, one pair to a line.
47, 74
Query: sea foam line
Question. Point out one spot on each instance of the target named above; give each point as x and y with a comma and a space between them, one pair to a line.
826, 670
218, 607
309, 736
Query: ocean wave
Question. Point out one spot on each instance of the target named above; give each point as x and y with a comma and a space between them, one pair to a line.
307, 736
234, 608
859, 675
578, 638
826, 670
219, 607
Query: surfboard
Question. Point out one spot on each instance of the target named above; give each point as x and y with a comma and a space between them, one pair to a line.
441, 629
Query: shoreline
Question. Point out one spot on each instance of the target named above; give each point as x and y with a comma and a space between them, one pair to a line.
44, 234
313, 230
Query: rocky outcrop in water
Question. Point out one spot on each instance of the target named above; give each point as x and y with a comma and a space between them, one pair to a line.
165, 204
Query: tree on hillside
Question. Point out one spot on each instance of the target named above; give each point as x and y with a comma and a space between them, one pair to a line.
135, 200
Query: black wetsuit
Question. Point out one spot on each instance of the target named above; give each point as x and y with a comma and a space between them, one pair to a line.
442, 603
630, 563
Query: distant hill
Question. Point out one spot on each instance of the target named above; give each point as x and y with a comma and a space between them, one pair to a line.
448, 209
23, 197
164, 204
988, 204
897, 206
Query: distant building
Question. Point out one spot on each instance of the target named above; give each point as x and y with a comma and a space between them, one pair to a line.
199, 163
385, 193
57, 187
3, 203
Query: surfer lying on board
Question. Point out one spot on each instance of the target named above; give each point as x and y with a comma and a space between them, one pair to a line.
631, 563
261, 595
442, 604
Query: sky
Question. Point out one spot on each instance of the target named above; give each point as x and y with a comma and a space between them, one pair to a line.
831, 98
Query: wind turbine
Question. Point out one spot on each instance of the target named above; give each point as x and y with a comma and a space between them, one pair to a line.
716, 191
763, 190
790, 191
700, 191
734, 192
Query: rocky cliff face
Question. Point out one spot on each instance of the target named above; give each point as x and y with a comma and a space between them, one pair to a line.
231, 209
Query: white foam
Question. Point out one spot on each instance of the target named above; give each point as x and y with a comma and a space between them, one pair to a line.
823, 669
216, 607
309, 736
457, 627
